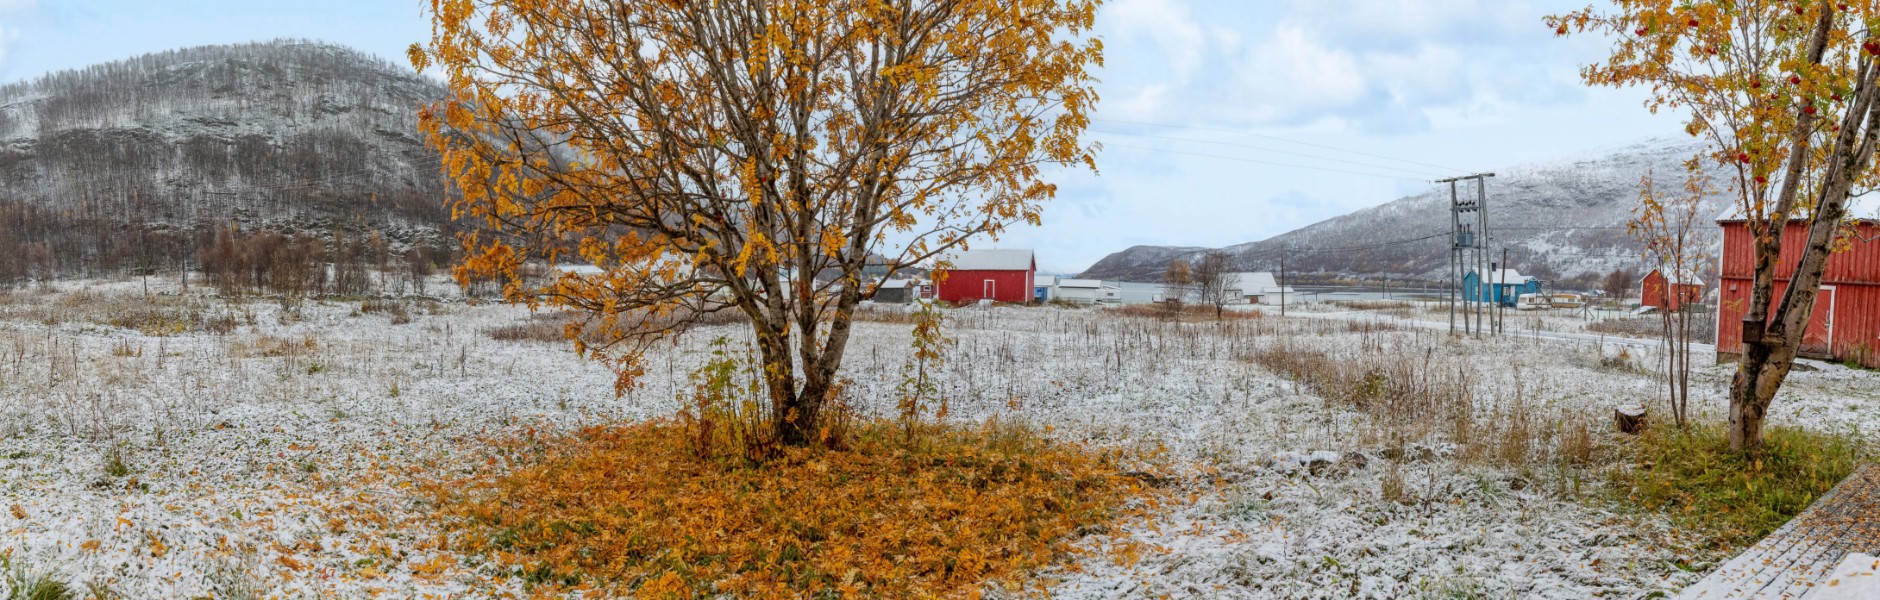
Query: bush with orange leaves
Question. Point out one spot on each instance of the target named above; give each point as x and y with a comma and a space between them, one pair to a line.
632, 509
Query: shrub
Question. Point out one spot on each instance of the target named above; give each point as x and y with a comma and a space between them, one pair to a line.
24, 584
398, 312
1187, 312
553, 327
114, 463
1372, 304
632, 509
727, 412
1693, 476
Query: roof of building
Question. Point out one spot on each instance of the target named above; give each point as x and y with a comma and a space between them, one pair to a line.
1252, 281
992, 260
1506, 277
1080, 283
1863, 208
896, 283
1044, 280
1685, 278
578, 269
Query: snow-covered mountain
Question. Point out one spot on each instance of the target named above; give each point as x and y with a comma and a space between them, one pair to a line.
1561, 220
286, 135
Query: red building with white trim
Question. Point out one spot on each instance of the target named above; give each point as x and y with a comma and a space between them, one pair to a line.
1846, 320
1000, 275
1672, 293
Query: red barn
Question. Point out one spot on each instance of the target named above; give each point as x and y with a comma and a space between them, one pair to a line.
1001, 275
1669, 293
1846, 321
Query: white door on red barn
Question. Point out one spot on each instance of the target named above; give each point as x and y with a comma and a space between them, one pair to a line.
991, 289
1818, 335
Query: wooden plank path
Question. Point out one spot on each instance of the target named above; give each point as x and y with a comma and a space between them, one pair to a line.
1799, 557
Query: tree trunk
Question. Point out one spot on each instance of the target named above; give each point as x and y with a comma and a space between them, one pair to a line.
1630, 418
800, 425
1767, 361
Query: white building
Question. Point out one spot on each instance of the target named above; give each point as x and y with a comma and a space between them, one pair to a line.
1088, 291
1258, 287
1250, 287
1044, 288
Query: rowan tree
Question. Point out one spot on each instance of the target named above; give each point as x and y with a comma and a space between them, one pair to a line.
1784, 92
719, 156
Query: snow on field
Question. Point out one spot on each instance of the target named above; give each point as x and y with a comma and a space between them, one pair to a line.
278, 456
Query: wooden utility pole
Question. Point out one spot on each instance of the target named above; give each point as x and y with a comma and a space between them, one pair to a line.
1468, 249
1501, 310
1455, 267
1282, 279
1481, 247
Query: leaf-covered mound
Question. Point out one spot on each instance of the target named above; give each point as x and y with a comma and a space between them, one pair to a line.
628, 508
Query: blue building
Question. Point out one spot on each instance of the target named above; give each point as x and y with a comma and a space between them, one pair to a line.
1504, 286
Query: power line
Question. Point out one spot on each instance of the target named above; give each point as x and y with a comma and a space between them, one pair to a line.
1561, 228
1281, 139
1266, 149
1266, 162
1275, 252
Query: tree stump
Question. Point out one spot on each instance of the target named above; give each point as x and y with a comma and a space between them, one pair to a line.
1630, 418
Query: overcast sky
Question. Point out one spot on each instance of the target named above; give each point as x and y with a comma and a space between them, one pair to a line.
1361, 101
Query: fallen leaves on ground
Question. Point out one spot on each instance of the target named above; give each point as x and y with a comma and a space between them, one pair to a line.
627, 508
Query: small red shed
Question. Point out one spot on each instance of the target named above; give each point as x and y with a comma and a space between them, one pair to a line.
1846, 321
1670, 293
1001, 275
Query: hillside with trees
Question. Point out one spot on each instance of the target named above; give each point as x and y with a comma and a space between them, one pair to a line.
139, 164
1562, 220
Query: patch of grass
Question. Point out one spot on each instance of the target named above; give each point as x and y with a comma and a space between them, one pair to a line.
398, 312
632, 508
1185, 312
1694, 477
1703, 326
269, 346
550, 327
1372, 304
114, 463
150, 314
229, 580
25, 584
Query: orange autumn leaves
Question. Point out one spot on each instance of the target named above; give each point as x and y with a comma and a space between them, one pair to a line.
630, 509
747, 156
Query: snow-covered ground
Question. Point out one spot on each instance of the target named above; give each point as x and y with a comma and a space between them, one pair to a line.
279, 456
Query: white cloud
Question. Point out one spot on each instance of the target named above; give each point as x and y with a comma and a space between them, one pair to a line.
1176, 37
1293, 73
10, 33
1386, 67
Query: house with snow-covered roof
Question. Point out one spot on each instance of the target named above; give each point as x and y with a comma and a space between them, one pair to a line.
1503, 286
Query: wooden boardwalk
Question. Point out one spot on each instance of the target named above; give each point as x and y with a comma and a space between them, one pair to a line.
1799, 557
